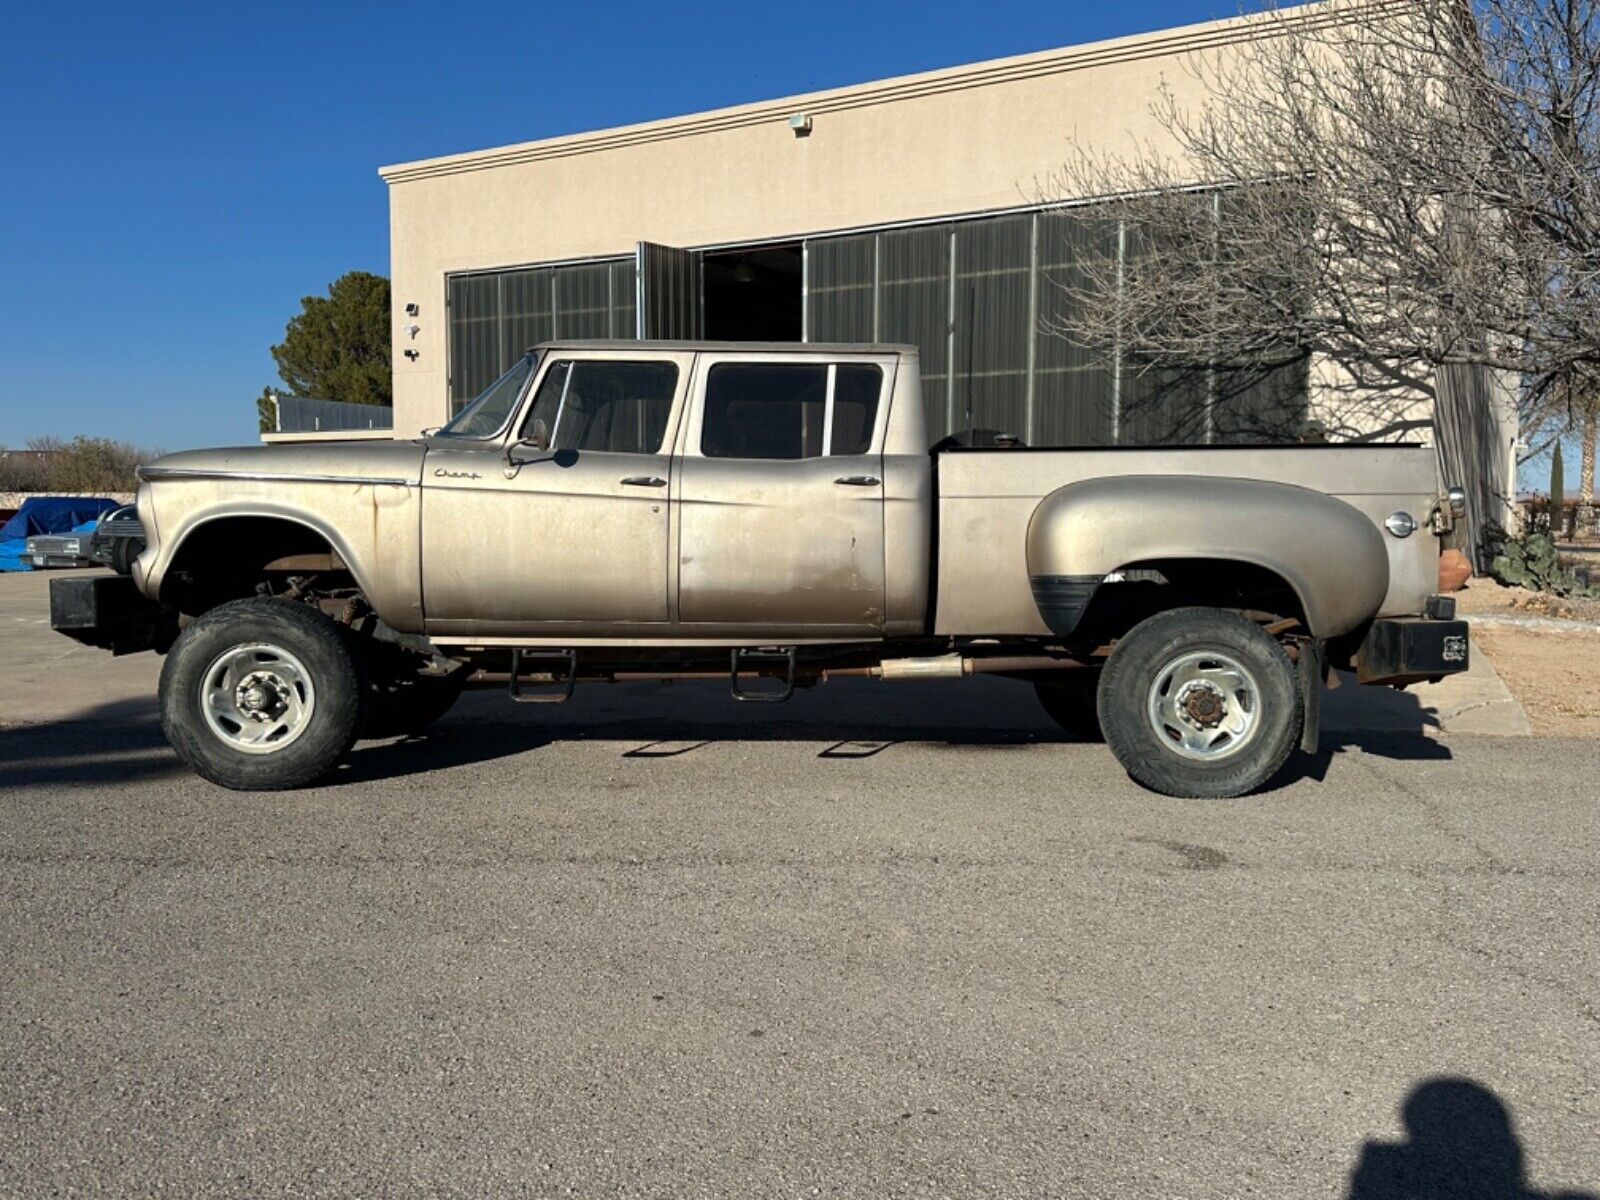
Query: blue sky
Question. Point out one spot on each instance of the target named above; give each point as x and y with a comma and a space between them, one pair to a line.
173, 178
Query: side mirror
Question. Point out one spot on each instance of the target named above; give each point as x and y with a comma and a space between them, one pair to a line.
538, 440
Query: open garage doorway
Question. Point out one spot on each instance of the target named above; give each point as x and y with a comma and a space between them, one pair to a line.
754, 294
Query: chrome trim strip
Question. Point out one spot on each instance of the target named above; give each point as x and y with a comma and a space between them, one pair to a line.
151, 474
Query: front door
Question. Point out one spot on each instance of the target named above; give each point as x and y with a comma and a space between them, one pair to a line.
780, 494
568, 539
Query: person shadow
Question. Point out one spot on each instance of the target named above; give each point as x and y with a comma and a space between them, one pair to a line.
1461, 1143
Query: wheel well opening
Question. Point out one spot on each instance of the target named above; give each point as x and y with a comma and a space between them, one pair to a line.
230, 558
1139, 590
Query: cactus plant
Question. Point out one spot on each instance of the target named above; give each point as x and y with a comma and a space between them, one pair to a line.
1533, 563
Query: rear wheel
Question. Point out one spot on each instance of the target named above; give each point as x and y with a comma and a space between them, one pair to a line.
261, 694
1200, 702
1070, 697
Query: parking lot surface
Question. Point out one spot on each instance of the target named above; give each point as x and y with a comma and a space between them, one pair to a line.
883, 941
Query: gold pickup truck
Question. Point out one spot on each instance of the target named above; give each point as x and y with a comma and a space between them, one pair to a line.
772, 514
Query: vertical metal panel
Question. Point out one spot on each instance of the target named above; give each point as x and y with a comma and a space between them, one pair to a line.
583, 301
1264, 403
952, 423
624, 323
474, 336
669, 292
1033, 324
914, 306
1073, 391
839, 305
526, 318
992, 281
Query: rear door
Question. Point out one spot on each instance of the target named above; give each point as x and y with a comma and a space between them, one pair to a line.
780, 497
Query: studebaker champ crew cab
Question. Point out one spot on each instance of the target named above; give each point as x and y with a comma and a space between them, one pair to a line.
772, 514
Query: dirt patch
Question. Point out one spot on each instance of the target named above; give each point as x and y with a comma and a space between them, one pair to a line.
1487, 596
1554, 676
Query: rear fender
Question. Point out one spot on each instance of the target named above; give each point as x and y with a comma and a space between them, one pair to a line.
1327, 552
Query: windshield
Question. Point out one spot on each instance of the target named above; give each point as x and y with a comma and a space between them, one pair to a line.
487, 415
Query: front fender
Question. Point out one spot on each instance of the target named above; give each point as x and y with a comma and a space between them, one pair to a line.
1331, 555
372, 526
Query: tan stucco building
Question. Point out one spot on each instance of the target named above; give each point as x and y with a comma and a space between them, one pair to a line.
845, 213
907, 209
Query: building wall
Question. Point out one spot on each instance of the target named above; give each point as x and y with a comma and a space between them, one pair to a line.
944, 143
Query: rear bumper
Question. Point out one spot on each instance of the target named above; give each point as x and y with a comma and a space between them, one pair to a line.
1411, 649
108, 611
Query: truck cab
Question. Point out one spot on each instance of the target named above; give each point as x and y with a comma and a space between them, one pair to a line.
652, 491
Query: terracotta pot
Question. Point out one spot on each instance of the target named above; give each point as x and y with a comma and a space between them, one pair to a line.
1454, 571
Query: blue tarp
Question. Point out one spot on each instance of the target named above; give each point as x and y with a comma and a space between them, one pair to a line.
47, 514
54, 514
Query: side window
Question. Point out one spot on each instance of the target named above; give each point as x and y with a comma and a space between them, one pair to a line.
621, 407
782, 410
855, 407
764, 410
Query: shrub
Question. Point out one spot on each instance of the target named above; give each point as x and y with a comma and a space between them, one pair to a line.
1532, 562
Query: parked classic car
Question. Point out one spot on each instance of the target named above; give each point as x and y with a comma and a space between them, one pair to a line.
772, 513
115, 541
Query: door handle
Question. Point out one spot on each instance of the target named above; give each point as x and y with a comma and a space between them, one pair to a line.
859, 480
645, 481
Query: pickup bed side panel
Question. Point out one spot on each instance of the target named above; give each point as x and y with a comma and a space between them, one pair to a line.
1328, 552
987, 498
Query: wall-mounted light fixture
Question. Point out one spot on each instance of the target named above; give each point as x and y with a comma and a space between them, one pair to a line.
412, 310
413, 330
413, 355
800, 124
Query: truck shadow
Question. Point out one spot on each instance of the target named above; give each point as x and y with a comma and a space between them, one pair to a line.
121, 742
116, 742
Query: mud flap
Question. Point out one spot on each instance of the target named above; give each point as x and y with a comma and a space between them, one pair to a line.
1309, 670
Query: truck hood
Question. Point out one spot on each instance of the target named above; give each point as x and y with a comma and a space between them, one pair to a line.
357, 461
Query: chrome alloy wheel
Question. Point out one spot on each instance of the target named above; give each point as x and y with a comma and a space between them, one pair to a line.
257, 697
1205, 705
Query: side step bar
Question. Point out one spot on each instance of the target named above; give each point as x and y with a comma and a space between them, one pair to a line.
563, 682
757, 655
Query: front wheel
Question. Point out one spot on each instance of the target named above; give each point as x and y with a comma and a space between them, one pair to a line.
1200, 702
262, 694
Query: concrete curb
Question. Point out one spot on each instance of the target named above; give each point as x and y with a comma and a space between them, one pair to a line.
1476, 701
1547, 624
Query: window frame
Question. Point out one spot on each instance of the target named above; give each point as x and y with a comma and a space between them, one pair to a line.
694, 433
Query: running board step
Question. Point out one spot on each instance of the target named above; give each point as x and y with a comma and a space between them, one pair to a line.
759, 654
564, 683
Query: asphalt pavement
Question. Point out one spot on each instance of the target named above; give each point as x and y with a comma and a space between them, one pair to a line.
887, 940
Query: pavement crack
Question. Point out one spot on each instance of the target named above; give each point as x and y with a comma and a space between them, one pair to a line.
1434, 816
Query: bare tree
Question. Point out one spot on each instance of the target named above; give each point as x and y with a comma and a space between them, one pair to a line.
1403, 195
